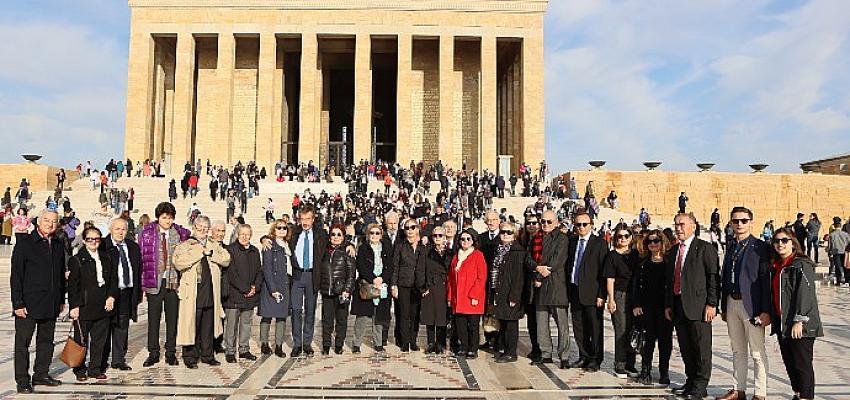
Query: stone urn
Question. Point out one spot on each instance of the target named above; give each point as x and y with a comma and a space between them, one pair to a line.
31, 158
651, 165
758, 168
596, 164
705, 167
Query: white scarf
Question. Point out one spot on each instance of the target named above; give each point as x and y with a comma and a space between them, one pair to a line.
461, 256
285, 245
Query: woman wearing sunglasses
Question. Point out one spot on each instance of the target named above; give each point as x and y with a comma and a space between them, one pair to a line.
432, 284
92, 289
510, 262
620, 264
335, 281
648, 299
274, 292
374, 265
796, 322
467, 277
408, 258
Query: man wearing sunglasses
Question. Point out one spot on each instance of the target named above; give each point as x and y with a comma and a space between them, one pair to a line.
745, 304
488, 240
550, 294
586, 285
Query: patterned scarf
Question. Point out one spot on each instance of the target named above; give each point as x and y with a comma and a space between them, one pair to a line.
498, 261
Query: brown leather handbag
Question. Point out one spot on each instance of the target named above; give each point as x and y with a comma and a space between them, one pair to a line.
74, 353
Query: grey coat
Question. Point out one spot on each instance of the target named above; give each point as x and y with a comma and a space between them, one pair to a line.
798, 300
275, 279
553, 289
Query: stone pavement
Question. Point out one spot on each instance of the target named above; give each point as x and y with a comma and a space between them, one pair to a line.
413, 375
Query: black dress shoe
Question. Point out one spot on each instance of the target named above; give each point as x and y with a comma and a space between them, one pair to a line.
296, 352
326, 350
82, 377
151, 360
506, 359
248, 356
211, 362
564, 364
664, 378
190, 365
309, 351
541, 361
533, 355
356, 349
404, 348
592, 367
679, 390
230, 358
24, 388
122, 367
46, 381
278, 351
471, 355
379, 349
171, 360
265, 349
414, 347
338, 349
218, 348
580, 363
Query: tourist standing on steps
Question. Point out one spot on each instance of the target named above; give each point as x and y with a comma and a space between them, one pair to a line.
161, 280
692, 297
92, 289
745, 305
620, 264
506, 281
408, 260
683, 203
466, 291
126, 257
374, 265
200, 262
549, 249
244, 277
431, 282
648, 301
38, 297
310, 242
586, 291
796, 320
274, 292
335, 281
813, 237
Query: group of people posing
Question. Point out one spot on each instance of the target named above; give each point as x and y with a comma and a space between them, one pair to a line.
424, 272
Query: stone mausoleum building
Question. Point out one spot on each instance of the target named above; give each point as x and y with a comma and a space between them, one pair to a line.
336, 81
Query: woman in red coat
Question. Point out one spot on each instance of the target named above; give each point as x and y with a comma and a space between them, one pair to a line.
467, 278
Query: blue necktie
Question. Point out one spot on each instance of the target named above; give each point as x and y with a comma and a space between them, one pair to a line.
579, 257
306, 257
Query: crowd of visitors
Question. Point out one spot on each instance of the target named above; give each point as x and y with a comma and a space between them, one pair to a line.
396, 260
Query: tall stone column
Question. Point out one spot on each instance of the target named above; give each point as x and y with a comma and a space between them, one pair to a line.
532, 102
363, 98
140, 83
268, 146
403, 109
184, 93
311, 98
225, 65
447, 92
489, 80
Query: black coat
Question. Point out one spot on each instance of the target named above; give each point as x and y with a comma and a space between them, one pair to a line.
700, 282
245, 270
433, 279
487, 246
335, 274
510, 288
591, 280
320, 249
38, 276
365, 272
83, 289
134, 255
553, 289
407, 263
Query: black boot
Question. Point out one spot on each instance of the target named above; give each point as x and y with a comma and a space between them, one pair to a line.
265, 349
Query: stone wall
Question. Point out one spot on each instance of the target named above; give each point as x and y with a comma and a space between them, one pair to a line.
771, 196
425, 101
41, 177
468, 66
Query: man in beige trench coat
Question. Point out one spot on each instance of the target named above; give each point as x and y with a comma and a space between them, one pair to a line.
200, 261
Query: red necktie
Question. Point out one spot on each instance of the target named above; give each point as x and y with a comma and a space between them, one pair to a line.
677, 273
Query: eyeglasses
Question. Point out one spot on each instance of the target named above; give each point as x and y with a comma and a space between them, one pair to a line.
375, 233
92, 239
506, 232
465, 239
337, 234
740, 221
438, 235
583, 224
784, 240
282, 228
653, 241
411, 227
532, 223
624, 236
548, 221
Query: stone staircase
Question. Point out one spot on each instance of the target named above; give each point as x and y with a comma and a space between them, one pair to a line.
151, 191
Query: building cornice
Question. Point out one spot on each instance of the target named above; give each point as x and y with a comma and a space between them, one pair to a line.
510, 6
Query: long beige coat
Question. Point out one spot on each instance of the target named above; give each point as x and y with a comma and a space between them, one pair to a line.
187, 260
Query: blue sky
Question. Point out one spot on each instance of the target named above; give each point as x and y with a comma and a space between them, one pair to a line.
725, 81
